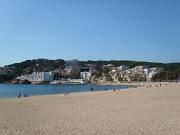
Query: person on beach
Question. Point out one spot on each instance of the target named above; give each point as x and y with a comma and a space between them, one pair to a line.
114, 89
19, 95
25, 95
69, 93
91, 89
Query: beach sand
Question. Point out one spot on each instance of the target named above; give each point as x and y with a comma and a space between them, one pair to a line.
137, 111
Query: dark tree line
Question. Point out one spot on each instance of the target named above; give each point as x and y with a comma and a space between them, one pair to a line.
168, 75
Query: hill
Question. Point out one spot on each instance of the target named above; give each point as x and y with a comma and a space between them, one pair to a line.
9, 72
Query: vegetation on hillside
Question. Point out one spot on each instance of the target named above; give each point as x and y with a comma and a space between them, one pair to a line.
9, 72
171, 70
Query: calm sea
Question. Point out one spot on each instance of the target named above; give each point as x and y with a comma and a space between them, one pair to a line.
12, 90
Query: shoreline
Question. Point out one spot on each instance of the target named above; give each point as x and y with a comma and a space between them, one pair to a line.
133, 85
78, 92
49, 89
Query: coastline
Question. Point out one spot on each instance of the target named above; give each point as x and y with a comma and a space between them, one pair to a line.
10, 91
139, 111
131, 86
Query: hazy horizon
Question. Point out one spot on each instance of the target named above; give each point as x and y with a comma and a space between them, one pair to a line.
142, 30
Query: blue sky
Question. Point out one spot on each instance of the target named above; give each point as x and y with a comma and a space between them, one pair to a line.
143, 30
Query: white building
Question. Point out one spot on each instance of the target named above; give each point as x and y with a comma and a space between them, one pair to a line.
86, 75
138, 73
138, 70
38, 77
123, 68
146, 71
115, 78
154, 71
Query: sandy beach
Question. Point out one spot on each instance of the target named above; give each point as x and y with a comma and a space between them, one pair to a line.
137, 111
